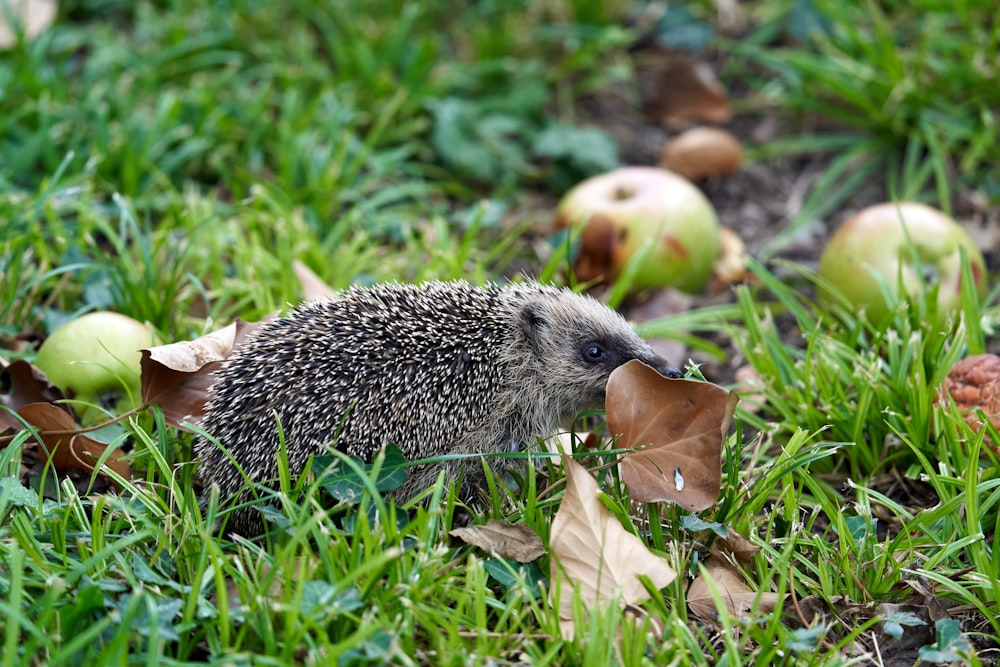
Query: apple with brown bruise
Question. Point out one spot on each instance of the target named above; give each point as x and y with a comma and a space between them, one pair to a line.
906, 244
628, 210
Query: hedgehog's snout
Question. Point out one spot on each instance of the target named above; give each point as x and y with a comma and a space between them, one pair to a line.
663, 367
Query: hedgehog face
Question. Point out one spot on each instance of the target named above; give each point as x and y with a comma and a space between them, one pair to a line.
578, 343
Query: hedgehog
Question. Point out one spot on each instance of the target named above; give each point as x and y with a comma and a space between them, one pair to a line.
438, 368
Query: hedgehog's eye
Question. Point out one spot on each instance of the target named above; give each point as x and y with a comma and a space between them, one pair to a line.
594, 353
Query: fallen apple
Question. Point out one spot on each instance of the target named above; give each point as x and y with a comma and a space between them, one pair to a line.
96, 358
906, 244
642, 209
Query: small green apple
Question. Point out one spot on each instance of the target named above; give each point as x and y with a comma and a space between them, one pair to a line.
625, 210
882, 241
96, 357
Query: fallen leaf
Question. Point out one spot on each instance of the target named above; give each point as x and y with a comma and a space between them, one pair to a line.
313, 287
735, 546
32, 17
737, 598
178, 376
503, 540
594, 554
566, 442
751, 388
66, 446
27, 385
683, 422
680, 89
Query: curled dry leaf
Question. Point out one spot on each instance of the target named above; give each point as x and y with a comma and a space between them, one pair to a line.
27, 385
677, 428
503, 540
313, 287
750, 387
681, 89
702, 152
738, 599
736, 547
32, 17
567, 443
69, 449
177, 377
593, 553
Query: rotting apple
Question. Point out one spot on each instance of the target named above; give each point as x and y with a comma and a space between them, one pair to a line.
905, 244
96, 357
624, 211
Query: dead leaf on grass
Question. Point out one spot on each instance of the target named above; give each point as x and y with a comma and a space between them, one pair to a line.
177, 377
683, 422
68, 448
736, 596
503, 540
32, 17
313, 287
735, 546
681, 90
593, 553
27, 385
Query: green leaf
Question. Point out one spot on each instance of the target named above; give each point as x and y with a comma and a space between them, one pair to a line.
511, 574
585, 149
893, 624
679, 28
950, 644
16, 494
693, 523
346, 481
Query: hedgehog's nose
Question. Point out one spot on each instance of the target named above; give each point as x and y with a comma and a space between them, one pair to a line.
672, 372
665, 369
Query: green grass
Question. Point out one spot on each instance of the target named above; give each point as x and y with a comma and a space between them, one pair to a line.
906, 93
172, 160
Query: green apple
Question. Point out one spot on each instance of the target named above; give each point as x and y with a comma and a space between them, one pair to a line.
646, 209
905, 244
96, 358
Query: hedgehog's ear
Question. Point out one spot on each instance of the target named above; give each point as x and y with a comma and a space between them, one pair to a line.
532, 320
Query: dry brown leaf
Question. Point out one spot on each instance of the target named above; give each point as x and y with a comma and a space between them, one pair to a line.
738, 599
750, 385
177, 377
593, 553
702, 152
74, 451
32, 16
567, 443
503, 540
735, 546
313, 287
27, 385
681, 89
683, 422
